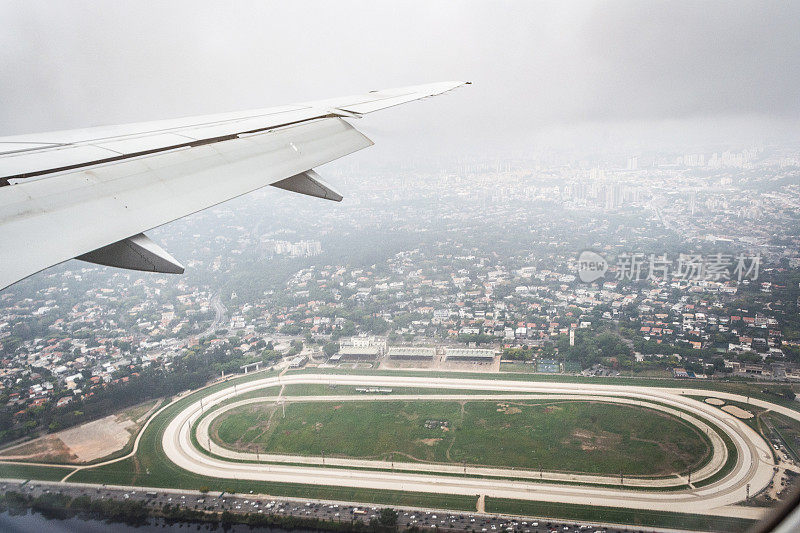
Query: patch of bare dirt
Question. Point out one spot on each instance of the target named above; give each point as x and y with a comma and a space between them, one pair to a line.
97, 439
264, 425
429, 442
508, 409
738, 412
85, 442
591, 441
49, 448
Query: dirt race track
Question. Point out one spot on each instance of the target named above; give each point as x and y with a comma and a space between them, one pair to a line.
754, 467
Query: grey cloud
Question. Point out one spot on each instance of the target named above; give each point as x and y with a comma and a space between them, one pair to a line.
535, 65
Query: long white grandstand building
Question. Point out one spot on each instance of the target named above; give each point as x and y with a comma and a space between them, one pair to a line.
356, 353
414, 353
482, 355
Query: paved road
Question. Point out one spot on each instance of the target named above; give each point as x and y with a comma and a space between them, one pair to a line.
219, 314
754, 467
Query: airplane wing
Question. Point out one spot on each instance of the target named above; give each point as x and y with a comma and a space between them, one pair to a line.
91, 193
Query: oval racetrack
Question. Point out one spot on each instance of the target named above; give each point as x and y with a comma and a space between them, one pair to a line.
754, 466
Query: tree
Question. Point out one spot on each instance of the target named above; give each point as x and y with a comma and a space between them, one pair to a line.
477, 338
295, 348
388, 517
330, 348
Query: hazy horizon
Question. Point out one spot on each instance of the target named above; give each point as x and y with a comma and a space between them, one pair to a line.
588, 75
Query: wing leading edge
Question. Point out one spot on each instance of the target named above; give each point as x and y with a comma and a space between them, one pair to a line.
91, 193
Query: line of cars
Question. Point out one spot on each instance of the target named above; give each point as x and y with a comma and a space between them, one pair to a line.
338, 512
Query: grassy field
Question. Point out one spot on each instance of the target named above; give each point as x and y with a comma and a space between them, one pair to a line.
138, 411
754, 389
47, 473
646, 518
592, 437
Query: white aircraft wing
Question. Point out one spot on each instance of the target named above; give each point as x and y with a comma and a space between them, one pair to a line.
91, 193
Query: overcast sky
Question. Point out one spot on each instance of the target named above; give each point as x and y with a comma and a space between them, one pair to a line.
542, 72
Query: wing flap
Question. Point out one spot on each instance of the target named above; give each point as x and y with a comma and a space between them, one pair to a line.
135, 253
309, 183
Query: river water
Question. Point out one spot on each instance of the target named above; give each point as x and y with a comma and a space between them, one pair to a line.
36, 523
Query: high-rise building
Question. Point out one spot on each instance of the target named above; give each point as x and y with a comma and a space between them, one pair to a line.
613, 195
597, 174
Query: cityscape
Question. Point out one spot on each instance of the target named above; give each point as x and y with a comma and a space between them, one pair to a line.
418, 267
472, 268
497, 271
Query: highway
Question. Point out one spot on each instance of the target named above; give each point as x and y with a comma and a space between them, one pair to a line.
754, 466
219, 314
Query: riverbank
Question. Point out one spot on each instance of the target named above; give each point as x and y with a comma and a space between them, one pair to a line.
26, 510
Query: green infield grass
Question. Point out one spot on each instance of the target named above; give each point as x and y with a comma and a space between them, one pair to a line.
554, 435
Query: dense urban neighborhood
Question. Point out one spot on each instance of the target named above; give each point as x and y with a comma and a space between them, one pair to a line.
701, 282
